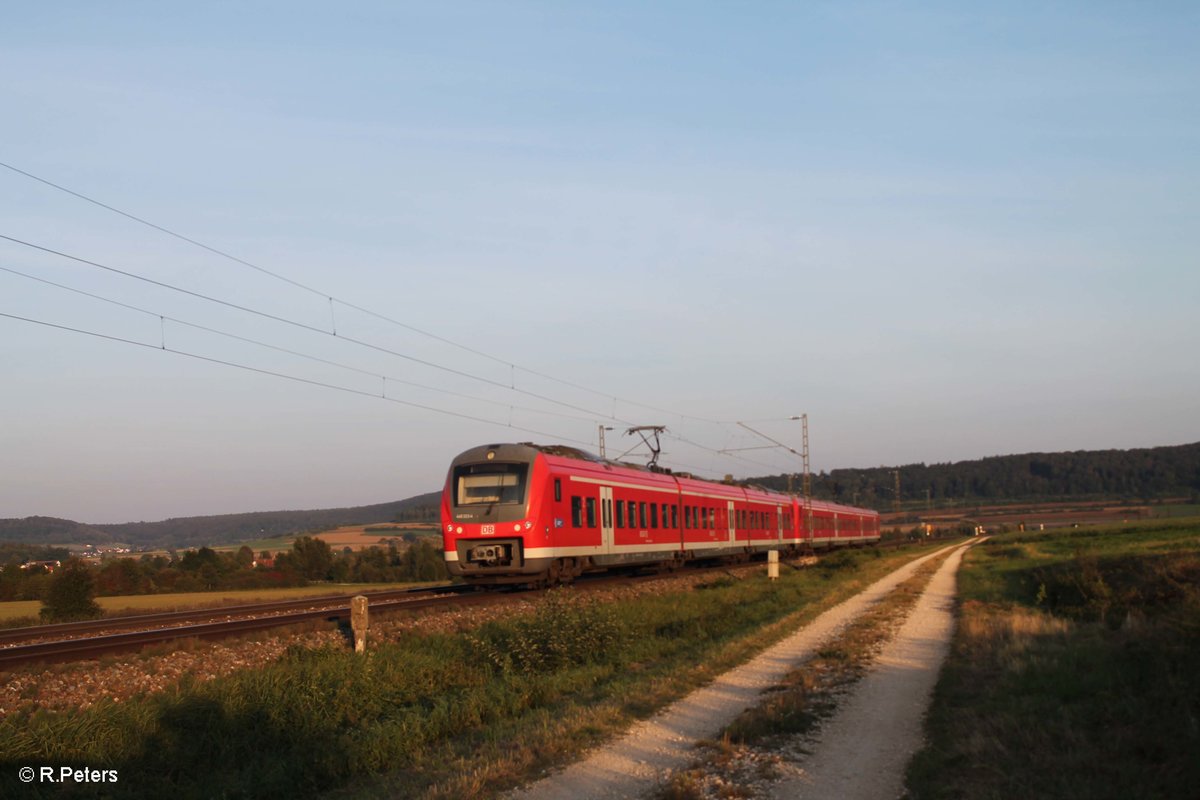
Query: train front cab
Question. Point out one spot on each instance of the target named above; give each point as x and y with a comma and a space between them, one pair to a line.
490, 535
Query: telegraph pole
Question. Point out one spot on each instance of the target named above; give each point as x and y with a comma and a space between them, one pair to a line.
896, 498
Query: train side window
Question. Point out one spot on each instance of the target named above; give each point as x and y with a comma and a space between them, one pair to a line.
704, 517
620, 513
632, 514
641, 515
674, 516
654, 515
591, 512
576, 511
558, 490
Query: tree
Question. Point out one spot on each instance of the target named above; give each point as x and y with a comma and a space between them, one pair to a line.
244, 557
71, 594
121, 576
313, 557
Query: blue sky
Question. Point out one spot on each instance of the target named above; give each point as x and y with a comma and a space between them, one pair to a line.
943, 231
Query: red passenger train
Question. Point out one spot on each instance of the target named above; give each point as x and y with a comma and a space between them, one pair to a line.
523, 513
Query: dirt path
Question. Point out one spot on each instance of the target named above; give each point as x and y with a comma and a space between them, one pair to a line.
862, 751
633, 765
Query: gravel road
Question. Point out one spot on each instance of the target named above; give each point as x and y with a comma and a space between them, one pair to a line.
861, 753
633, 765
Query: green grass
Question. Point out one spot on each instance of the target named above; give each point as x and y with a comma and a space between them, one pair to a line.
447, 715
1075, 669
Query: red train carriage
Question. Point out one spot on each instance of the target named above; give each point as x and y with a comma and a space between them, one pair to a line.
515, 513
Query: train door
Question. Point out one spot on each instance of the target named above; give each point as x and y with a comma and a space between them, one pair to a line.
606, 518
779, 523
731, 518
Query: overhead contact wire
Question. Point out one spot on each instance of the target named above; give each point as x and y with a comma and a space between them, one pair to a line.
332, 299
165, 318
305, 326
284, 376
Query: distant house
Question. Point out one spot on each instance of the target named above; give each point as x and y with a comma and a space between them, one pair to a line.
49, 566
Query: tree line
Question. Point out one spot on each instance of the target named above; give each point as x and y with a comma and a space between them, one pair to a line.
310, 560
1140, 474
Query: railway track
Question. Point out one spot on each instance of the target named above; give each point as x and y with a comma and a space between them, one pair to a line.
166, 618
83, 640
95, 638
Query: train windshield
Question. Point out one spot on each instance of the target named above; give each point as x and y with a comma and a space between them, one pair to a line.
487, 484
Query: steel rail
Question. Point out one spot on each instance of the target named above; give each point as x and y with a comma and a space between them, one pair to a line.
158, 619
92, 646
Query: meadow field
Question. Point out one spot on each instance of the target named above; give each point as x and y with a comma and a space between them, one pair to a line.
1075, 669
178, 601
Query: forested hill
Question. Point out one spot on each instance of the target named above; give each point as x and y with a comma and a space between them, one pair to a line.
1133, 474
186, 532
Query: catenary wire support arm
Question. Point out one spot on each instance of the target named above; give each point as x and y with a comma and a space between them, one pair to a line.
768, 438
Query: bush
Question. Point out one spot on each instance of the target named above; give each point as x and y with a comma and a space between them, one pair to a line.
71, 594
564, 631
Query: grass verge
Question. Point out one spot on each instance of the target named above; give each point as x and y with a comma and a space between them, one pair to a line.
1074, 671
439, 715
